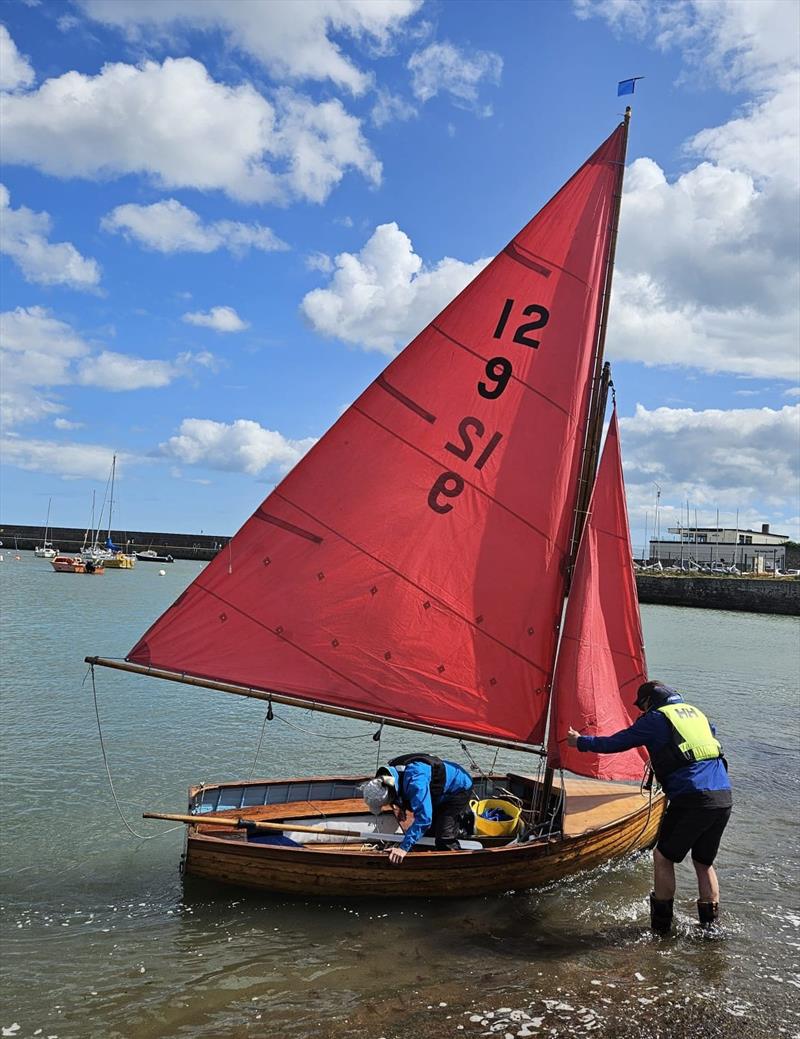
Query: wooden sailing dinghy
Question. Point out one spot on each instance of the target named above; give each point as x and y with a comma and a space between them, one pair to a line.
412, 570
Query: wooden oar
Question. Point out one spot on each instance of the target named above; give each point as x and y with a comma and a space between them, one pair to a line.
245, 824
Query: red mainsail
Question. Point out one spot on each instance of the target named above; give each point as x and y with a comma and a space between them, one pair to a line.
601, 657
412, 564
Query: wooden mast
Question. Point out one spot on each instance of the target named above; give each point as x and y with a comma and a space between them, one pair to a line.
597, 409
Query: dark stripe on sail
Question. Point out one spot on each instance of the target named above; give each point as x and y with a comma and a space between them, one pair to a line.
284, 525
516, 254
516, 378
404, 577
410, 404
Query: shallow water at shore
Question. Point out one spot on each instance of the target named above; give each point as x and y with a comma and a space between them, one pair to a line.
102, 937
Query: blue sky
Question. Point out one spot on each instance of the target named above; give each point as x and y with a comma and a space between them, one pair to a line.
220, 220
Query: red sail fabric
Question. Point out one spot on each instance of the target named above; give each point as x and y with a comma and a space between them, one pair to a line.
601, 657
412, 564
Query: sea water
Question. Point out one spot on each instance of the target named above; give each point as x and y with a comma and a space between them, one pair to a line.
102, 937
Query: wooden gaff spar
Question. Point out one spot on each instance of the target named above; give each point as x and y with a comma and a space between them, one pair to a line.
412, 570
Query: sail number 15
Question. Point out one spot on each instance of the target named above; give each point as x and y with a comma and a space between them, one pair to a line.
498, 372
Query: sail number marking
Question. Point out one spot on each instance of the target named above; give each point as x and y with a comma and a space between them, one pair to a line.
450, 484
498, 372
520, 336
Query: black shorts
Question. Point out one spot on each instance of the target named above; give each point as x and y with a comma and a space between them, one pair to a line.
452, 819
688, 827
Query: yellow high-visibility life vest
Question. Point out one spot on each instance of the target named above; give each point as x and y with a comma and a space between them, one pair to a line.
696, 741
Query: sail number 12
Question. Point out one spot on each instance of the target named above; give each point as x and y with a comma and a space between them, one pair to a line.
498, 372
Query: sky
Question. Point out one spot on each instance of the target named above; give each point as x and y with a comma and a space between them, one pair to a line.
220, 219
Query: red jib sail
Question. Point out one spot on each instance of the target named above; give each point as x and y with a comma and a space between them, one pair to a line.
601, 657
411, 565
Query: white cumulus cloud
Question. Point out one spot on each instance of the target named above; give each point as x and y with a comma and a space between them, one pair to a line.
741, 459
221, 319
240, 446
15, 69
170, 227
444, 68
39, 351
70, 461
120, 372
23, 237
380, 298
292, 39
707, 269
177, 125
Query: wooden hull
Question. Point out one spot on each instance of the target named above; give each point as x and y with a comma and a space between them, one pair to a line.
68, 565
625, 825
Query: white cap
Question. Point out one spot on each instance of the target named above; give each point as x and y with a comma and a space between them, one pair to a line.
375, 794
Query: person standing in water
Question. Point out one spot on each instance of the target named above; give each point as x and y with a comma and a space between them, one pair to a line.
688, 762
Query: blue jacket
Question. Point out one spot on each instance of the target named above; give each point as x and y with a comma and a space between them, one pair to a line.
417, 792
653, 731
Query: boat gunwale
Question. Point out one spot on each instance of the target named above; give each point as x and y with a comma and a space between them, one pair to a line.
560, 839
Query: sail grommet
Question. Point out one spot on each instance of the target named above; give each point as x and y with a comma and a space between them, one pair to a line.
387, 655
492, 681
479, 619
440, 668
223, 617
426, 605
334, 643
373, 590
530, 631
320, 576
266, 561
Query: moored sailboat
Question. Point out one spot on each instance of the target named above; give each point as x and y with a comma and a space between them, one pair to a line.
108, 555
46, 550
412, 569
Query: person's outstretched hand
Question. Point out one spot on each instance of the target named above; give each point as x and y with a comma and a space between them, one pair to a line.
572, 737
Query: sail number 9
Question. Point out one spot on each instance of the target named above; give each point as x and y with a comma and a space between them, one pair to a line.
498, 372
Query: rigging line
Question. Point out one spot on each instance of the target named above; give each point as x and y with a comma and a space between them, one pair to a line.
322, 735
260, 741
126, 824
378, 737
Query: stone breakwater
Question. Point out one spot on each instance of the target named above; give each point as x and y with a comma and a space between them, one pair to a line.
752, 594
70, 539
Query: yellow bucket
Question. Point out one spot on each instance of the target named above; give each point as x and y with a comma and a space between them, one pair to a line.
495, 827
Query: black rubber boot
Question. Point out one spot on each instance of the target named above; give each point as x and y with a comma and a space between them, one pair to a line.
660, 914
708, 912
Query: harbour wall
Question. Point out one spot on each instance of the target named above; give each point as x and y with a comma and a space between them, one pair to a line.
70, 539
753, 594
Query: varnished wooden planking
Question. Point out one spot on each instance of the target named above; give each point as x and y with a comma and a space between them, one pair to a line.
345, 872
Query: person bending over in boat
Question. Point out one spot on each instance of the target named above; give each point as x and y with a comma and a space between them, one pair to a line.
688, 763
425, 793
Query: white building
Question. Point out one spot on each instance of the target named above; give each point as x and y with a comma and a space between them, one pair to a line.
747, 549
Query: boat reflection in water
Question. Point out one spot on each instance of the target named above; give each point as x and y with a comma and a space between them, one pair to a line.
412, 569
